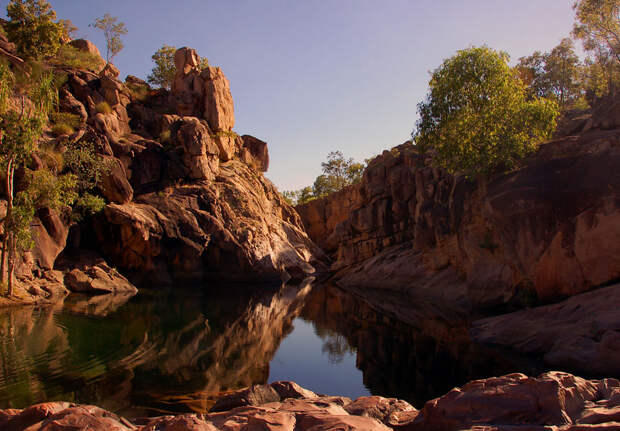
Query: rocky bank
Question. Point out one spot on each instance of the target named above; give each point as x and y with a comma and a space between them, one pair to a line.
552, 401
187, 199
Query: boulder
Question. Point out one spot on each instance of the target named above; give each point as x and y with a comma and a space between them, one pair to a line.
552, 399
256, 395
254, 152
86, 46
114, 184
218, 103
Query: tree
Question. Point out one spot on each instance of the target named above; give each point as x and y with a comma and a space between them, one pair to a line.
476, 118
20, 131
33, 29
338, 172
112, 30
598, 26
531, 71
555, 74
164, 70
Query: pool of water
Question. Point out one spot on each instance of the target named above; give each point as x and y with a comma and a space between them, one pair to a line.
179, 350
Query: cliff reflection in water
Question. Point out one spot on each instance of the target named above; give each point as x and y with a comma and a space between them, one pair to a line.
161, 352
178, 351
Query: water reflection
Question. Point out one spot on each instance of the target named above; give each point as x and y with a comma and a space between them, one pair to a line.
176, 351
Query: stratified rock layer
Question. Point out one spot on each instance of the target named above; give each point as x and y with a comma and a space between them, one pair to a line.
553, 401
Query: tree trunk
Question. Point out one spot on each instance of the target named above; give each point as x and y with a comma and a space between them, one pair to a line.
9, 237
12, 247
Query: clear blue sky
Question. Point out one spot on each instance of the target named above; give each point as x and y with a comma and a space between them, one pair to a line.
313, 76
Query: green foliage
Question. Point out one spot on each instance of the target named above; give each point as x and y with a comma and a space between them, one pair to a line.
476, 118
163, 72
48, 190
62, 129
138, 92
69, 29
555, 75
86, 204
88, 167
72, 120
72, 57
597, 24
103, 108
338, 172
112, 30
33, 29
7, 80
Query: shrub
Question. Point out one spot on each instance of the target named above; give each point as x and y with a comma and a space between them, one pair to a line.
165, 136
87, 204
103, 108
61, 129
67, 118
138, 92
70, 56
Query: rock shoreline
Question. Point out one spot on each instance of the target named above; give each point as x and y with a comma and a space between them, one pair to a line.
553, 401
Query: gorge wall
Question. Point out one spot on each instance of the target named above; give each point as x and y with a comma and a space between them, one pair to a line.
186, 196
549, 228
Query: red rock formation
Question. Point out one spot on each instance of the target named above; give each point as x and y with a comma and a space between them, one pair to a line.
550, 226
553, 401
186, 195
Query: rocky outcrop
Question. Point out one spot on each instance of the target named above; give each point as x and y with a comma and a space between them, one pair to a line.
581, 333
548, 228
201, 93
553, 401
186, 195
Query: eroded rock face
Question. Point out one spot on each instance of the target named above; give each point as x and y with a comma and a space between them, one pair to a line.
550, 227
236, 227
553, 401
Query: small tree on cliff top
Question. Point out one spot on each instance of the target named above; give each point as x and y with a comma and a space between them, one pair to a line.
163, 72
476, 118
112, 30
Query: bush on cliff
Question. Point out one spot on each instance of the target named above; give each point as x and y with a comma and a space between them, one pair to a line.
476, 118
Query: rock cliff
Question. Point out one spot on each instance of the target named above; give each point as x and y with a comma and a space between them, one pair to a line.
546, 230
186, 196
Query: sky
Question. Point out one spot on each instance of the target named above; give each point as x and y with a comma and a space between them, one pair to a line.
314, 76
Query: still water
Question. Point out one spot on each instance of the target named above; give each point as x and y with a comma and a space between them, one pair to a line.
178, 351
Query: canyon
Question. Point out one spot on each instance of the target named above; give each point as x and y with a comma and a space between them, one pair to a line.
524, 261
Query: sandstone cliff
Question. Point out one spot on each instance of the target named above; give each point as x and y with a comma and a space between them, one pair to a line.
186, 195
548, 229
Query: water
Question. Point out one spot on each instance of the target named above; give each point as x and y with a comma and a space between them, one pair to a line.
178, 351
